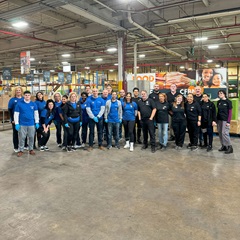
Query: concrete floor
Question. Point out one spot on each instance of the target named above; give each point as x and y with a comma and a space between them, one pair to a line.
118, 195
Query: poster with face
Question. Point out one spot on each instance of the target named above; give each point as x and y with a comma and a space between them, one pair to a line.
212, 77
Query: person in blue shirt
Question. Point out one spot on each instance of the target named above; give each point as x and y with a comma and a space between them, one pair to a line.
95, 110
17, 97
130, 110
121, 98
57, 119
41, 103
72, 113
26, 119
46, 117
85, 118
65, 132
113, 117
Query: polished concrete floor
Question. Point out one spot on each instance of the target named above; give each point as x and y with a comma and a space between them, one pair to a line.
119, 195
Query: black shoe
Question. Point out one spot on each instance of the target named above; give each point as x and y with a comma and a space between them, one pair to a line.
160, 147
172, 138
69, 149
194, 148
144, 147
189, 146
204, 146
153, 150
139, 141
200, 144
209, 148
164, 148
222, 149
229, 150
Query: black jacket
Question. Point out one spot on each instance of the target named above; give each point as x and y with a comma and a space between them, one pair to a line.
208, 113
70, 112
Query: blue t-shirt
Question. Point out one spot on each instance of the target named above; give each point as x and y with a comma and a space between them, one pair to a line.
40, 105
12, 104
46, 119
113, 113
26, 113
57, 107
129, 111
95, 104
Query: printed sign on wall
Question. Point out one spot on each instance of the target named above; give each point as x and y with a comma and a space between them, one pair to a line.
7, 74
25, 62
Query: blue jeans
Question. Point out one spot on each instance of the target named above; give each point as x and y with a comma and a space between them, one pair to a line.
99, 125
163, 133
113, 128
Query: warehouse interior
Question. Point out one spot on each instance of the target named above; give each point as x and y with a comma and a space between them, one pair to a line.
117, 194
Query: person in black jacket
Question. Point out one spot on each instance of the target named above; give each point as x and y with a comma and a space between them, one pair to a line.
60, 111
162, 120
46, 118
193, 115
224, 117
72, 113
208, 120
155, 93
179, 122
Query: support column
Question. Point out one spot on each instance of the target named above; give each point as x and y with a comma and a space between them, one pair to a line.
120, 60
135, 64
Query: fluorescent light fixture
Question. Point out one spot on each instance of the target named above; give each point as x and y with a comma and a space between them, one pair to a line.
52, 70
201, 39
115, 64
190, 69
141, 55
111, 70
213, 46
98, 59
87, 68
167, 64
137, 67
20, 24
112, 49
65, 63
32, 59
217, 65
66, 55
209, 60
182, 67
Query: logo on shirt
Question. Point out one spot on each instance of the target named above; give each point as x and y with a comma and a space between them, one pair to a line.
32, 107
147, 103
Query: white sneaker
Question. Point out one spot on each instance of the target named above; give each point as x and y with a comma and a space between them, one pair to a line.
46, 148
126, 145
83, 145
15, 150
77, 146
131, 147
42, 148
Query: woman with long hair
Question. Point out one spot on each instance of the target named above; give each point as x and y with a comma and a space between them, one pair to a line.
224, 117
46, 118
179, 122
129, 114
162, 120
72, 120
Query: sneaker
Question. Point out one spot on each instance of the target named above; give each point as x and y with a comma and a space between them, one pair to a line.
31, 152
189, 146
194, 148
46, 148
77, 146
19, 154
64, 148
117, 146
89, 149
42, 148
101, 148
109, 147
59, 145
69, 149
73, 148
164, 148
26, 148
204, 146
209, 148
144, 147
15, 150
153, 150
82, 145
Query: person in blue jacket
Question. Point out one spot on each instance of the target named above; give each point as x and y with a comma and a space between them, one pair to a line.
72, 113
46, 117
130, 110
85, 118
26, 119
17, 97
57, 119
41, 103
95, 110
113, 117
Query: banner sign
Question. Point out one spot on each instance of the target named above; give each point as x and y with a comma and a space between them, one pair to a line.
7, 74
150, 77
25, 62
69, 78
60, 77
46, 76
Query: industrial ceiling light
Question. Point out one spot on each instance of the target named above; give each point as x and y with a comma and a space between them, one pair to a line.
112, 49
141, 55
98, 59
213, 46
20, 24
32, 59
201, 39
217, 65
209, 60
115, 64
65, 63
66, 55
182, 67
87, 68
137, 67
111, 70
167, 64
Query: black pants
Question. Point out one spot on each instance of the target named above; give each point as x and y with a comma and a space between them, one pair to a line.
84, 132
193, 131
58, 126
128, 129
45, 137
137, 131
105, 131
207, 131
65, 136
148, 127
15, 137
72, 132
179, 129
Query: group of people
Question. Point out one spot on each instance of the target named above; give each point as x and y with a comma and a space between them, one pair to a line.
147, 113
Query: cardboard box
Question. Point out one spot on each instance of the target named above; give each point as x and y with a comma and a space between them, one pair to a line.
4, 99
234, 127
